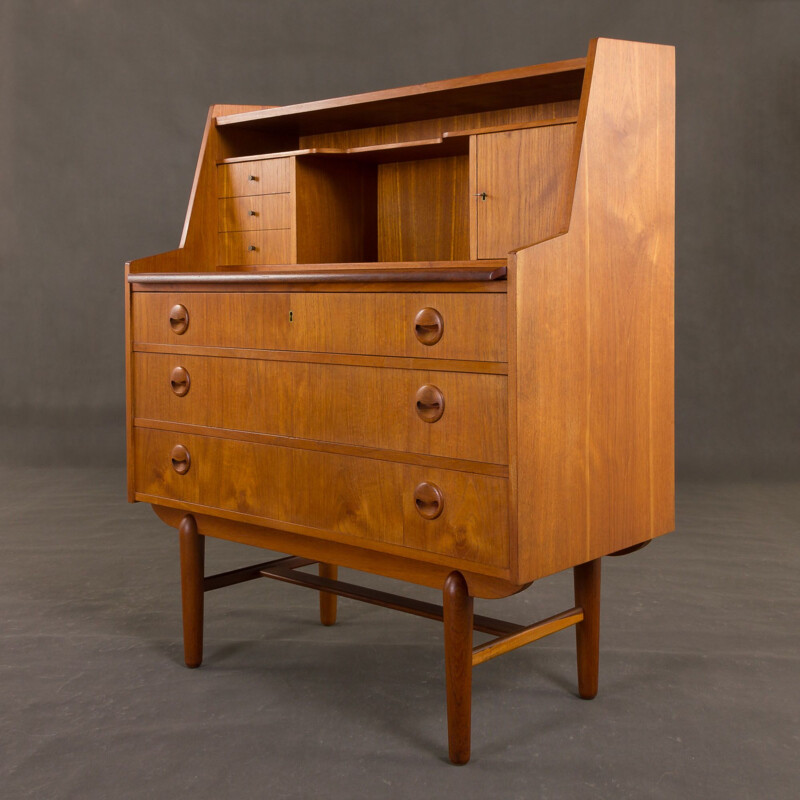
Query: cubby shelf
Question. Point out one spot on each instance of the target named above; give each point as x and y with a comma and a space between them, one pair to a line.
450, 143
438, 147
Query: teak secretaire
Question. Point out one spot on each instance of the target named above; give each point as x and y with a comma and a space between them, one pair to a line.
425, 333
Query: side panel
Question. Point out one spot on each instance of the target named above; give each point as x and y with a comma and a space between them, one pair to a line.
129, 384
594, 330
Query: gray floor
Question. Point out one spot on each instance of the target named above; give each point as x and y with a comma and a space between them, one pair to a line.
699, 692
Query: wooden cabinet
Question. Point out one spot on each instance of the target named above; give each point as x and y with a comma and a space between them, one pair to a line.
423, 333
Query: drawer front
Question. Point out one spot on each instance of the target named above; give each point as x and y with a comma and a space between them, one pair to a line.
259, 212
453, 414
347, 496
254, 177
255, 247
472, 326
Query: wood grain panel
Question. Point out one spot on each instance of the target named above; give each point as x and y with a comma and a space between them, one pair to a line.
523, 175
434, 127
258, 212
365, 406
267, 176
595, 458
244, 248
423, 210
335, 202
366, 324
363, 498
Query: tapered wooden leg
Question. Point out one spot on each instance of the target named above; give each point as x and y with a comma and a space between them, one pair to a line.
192, 570
587, 632
327, 601
458, 665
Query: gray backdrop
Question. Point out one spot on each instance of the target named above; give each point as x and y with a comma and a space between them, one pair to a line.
103, 106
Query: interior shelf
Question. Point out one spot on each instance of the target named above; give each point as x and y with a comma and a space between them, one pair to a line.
513, 126
450, 143
438, 147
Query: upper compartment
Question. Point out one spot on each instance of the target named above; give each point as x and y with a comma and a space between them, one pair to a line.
452, 171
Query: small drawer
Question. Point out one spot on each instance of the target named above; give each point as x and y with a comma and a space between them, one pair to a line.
258, 212
445, 325
456, 514
452, 414
254, 177
248, 248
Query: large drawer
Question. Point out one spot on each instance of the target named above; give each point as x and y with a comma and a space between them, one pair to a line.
344, 495
254, 177
437, 325
454, 414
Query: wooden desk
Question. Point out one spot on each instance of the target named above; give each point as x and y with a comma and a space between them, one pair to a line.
424, 333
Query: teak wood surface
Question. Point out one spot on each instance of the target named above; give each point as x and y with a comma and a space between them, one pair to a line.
365, 406
593, 330
359, 323
425, 333
340, 495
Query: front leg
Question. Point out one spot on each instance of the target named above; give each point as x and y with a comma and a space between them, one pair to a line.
458, 622
192, 571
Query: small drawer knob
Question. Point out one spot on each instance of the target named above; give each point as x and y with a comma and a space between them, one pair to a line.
251, 213
428, 326
428, 500
251, 248
178, 319
429, 403
252, 178
180, 381
181, 460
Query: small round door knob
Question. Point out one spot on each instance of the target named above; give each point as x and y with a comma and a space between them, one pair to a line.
428, 326
181, 460
429, 403
178, 319
180, 381
428, 500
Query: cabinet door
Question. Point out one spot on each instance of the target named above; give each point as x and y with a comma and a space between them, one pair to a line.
523, 174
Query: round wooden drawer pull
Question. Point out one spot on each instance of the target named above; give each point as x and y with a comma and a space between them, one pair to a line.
429, 403
178, 319
428, 326
181, 460
428, 500
180, 381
